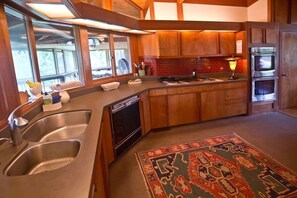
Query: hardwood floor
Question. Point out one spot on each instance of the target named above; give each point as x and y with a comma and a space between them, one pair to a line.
273, 133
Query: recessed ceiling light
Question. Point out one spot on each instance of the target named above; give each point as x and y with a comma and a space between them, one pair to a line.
54, 11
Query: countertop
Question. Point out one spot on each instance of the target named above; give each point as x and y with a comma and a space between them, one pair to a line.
74, 180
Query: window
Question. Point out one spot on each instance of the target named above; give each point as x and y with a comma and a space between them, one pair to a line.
20, 48
99, 47
56, 53
122, 55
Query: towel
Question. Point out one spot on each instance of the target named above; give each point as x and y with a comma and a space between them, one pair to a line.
65, 86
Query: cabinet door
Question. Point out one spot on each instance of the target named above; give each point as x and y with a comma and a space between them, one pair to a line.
148, 45
270, 35
100, 181
107, 137
257, 35
168, 43
183, 109
227, 43
235, 101
145, 113
212, 104
158, 105
199, 43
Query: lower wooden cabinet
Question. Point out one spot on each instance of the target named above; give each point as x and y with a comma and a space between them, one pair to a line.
159, 114
183, 109
104, 156
145, 112
212, 104
223, 103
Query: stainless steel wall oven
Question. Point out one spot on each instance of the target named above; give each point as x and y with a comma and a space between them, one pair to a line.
264, 89
126, 126
263, 61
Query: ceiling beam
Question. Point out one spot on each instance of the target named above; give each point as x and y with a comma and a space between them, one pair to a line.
189, 25
238, 3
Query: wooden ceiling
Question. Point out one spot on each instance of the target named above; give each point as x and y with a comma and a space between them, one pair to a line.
142, 4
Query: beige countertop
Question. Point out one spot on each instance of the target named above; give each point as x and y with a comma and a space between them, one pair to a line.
73, 180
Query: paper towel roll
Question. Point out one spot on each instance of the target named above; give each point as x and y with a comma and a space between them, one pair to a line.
65, 86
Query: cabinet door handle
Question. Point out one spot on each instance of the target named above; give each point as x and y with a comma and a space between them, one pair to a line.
284, 74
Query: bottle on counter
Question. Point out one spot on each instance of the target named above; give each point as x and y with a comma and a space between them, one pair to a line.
47, 99
194, 73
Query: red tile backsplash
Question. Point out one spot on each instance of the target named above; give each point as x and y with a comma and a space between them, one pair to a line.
185, 66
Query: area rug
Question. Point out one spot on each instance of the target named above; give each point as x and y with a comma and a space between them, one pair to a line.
223, 166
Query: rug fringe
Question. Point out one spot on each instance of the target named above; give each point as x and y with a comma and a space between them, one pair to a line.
143, 176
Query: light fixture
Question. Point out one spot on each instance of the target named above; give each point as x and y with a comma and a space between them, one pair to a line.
232, 65
53, 11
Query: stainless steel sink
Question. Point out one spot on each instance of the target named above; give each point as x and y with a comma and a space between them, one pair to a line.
43, 158
58, 126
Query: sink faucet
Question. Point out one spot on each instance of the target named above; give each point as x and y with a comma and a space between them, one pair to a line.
16, 124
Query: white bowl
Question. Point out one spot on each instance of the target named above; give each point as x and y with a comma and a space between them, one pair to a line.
110, 86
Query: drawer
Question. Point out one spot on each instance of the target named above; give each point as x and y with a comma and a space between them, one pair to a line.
158, 92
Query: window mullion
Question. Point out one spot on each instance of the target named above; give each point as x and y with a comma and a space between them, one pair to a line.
32, 48
112, 54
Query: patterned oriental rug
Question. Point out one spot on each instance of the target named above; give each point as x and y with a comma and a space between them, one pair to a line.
223, 166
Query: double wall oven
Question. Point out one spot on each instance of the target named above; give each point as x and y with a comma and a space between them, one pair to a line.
263, 73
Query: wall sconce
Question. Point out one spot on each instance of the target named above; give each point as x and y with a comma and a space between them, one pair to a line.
232, 65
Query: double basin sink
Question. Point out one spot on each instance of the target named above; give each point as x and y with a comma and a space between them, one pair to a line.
54, 142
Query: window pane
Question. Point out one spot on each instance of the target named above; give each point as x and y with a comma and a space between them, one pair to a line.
56, 53
20, 48
60, 59
100, 55
47, 60
122, 55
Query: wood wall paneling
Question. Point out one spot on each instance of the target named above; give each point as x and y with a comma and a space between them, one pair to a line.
8, 85
281, 9
288, 96
242, 36
293, 12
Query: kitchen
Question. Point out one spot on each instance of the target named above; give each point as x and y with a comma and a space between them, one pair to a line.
150, 49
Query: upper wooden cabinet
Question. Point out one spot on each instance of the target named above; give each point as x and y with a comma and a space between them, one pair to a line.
199, 43
185, 44
227, 43
262, 33
164, 44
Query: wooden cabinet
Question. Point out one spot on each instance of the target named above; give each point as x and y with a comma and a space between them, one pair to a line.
228, 100
160, 44
158, 106
183, 109
263, 35
145, 112
227, 43
199, 43
168, 43
104, 156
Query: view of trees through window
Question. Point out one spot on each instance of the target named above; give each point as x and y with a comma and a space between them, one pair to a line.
20, 48
100, 56
56, 53
122, 55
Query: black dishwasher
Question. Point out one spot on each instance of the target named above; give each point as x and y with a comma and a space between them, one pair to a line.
126, 125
